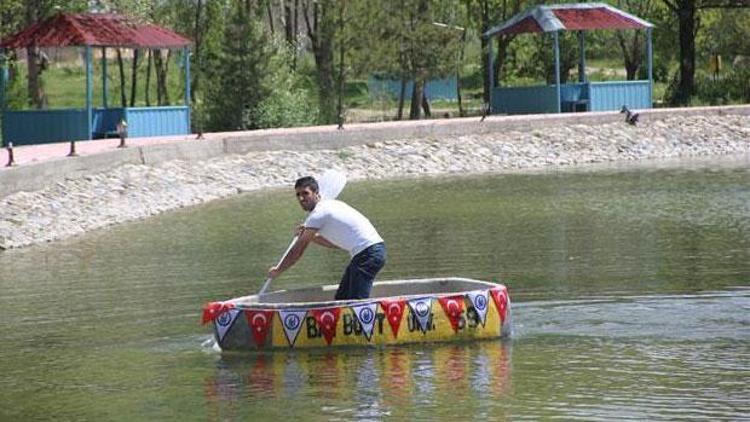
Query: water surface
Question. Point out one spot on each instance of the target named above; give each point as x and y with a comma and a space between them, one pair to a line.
631, 292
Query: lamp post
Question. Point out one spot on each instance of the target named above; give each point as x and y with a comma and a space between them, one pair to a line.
122, 132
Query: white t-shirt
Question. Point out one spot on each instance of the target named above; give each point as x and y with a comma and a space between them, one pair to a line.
343, 226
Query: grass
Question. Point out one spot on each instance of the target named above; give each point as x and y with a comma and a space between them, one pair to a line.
65, 84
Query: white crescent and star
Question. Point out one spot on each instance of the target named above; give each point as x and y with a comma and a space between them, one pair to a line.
263, 320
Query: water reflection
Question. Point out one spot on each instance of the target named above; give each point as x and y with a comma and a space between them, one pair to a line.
361, 383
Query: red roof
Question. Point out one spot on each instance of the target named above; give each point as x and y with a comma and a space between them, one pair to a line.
94, 29
569, 17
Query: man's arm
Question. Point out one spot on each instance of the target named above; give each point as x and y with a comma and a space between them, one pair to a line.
295, 253
322, 241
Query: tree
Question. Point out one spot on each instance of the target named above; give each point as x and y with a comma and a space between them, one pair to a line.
240, 71
688, 15
631, 42
320, 21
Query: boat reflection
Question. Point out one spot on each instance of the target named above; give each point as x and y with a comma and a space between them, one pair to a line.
367, 382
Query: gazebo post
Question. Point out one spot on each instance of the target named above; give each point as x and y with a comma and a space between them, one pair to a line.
186, 58
490, 75
104, 77
3, 79
89, 99
557, 68
650, 54
582, 61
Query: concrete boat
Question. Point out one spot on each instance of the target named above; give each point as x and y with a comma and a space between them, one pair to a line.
398, 312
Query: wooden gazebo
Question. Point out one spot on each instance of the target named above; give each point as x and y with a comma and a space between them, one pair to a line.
581, 96
93, 30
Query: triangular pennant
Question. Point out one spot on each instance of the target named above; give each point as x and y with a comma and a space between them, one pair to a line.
453, 307
422, 308
212, 310
260, 322
479, 301
327, 318
225, 321
394, 311
292, 322
365, 314
500, 296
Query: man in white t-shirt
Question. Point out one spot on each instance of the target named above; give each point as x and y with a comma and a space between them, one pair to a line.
334, 224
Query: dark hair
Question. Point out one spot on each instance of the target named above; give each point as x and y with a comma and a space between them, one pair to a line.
307, 181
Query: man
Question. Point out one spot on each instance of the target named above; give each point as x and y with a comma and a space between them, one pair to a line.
334, 224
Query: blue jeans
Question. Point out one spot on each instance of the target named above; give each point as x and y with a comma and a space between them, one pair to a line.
356, 282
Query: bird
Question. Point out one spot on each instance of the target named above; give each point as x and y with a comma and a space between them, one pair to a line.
630, 117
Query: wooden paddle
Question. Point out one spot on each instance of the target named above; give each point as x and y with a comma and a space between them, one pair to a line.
330, 185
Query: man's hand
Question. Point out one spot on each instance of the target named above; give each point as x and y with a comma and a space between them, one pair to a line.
273, 272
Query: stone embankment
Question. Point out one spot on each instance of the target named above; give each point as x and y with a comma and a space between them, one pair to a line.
131, 192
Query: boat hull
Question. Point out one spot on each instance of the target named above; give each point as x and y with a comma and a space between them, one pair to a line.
437, 310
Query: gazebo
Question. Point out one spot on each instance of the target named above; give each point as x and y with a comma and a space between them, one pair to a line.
93, 30
583, 95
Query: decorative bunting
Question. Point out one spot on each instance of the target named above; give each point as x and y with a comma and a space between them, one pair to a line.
500, 296
260, 323
453, 307
292, 322
365, 314
212, 310
480, 301
327, 318
394, 311
422, 308
224, 322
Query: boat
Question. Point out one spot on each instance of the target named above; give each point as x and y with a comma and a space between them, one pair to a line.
399, 312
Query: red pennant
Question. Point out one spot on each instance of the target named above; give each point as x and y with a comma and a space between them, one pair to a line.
394, 310
327, 319
453, 307
213, 310
260, 323
500, 296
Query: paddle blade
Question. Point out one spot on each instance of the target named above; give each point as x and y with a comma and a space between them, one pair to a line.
331, 183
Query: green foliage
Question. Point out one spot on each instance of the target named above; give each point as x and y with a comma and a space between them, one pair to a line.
729, 88
288, 103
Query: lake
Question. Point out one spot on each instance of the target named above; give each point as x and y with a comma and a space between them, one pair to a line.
630, 285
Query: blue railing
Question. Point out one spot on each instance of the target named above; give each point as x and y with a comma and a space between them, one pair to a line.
61, 125
587, 96
436, 89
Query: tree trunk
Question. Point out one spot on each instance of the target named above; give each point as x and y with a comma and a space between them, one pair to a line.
401, 95
37, 99
342, 45
121, 67
321, 29
149, 61
417, 92
426, 104
687, 24
134, 78
198, 30
486, 45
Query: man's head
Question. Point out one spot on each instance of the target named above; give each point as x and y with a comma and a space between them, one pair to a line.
306, 189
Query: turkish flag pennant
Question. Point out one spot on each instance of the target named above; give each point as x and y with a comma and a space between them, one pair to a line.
327, 318
394, 311
213, 310
500, 296
260, 323
453, 307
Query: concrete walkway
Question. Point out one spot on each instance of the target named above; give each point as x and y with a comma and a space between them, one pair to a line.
37, 166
